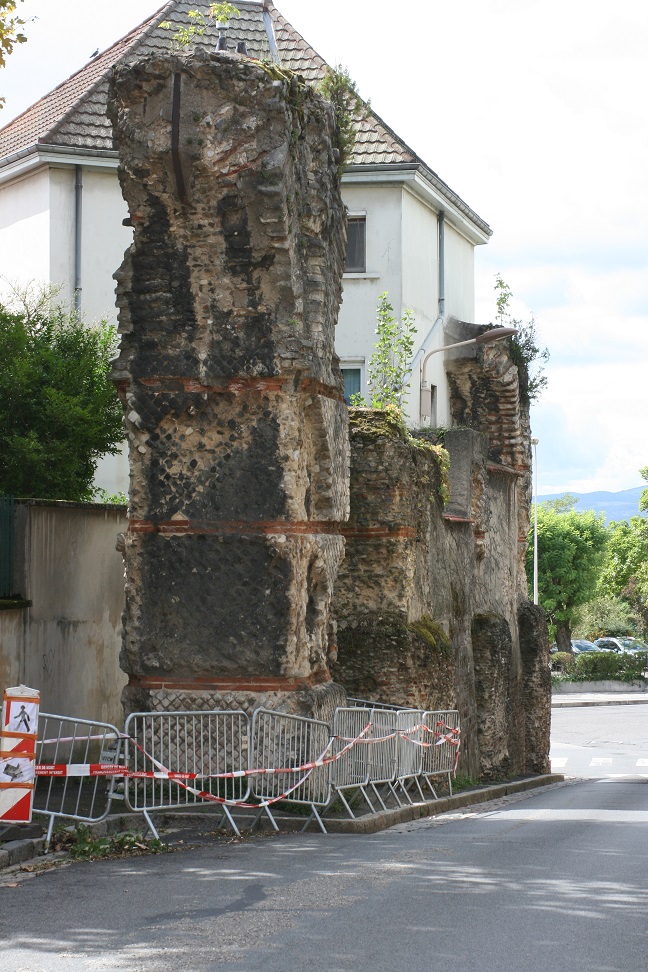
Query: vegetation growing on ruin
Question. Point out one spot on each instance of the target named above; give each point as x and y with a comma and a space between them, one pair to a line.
526, 354
339, 88
389, 365
431, 632
185, 34
389, 423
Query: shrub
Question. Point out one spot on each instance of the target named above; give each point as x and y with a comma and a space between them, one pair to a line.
602, 665
561, 661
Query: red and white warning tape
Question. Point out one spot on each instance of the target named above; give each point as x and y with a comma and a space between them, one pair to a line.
450, 735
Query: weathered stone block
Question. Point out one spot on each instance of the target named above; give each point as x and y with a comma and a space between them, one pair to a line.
231, 389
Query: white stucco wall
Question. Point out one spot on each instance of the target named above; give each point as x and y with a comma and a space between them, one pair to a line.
460, 275
61, 231
24, 231
102, 252
356, 329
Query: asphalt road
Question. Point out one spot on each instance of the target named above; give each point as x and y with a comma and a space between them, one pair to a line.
603, 740
554, 882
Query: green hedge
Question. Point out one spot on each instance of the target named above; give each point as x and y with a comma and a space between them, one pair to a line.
600, 666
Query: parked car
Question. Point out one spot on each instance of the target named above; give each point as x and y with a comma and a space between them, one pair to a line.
622, 646
578, 645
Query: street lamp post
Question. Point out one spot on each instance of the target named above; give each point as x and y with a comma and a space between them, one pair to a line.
534, 443
487, 337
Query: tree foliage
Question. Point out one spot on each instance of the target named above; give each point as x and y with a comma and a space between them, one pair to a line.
220, 12
389, 364
10, 32
59, 412
562, 504
605, 615
526, 352
571, 547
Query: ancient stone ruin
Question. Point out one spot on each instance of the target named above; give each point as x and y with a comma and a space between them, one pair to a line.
239, 445
431, 599
237, 427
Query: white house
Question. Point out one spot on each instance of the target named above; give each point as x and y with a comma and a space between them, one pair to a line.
61, 209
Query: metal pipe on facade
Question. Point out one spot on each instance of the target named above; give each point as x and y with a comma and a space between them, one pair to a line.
534, 443
441, 220
78, 237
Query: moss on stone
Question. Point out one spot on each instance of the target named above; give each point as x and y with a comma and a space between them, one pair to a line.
385, 658
374, 423
378, 423
432, 633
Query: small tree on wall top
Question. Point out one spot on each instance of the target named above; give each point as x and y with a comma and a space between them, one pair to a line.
389, 365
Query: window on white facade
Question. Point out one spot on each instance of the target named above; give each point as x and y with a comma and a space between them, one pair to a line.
352, 381
356, 251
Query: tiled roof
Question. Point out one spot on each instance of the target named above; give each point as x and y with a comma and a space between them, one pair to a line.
74, 116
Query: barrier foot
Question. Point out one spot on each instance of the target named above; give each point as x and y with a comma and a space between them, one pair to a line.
430, 787
418, 787
346, 804
48, 836
315, 814
260, 814
231, 821
378, 797
150, 825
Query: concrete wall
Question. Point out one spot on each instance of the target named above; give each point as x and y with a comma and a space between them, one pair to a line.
67, 643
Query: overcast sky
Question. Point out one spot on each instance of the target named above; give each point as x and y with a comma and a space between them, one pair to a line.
535, 112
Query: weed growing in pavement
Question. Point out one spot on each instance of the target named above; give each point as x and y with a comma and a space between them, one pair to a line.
83, 844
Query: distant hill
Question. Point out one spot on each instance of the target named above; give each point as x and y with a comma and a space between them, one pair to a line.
616, 506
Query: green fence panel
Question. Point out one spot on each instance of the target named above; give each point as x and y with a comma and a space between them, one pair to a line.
7, 515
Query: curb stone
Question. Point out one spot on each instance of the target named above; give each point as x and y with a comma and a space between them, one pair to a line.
18, 851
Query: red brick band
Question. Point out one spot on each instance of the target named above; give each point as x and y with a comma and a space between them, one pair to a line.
241, 383
233, 683
377, 532
235, 527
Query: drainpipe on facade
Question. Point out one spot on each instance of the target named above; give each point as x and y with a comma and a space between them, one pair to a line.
78, 213
422, 351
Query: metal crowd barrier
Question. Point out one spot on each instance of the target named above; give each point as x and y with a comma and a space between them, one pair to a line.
351, 770
198, 744
410, 751
74, 757
170, 761
284, 742
439, 760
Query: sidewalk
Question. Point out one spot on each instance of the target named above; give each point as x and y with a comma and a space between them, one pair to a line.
598, 698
